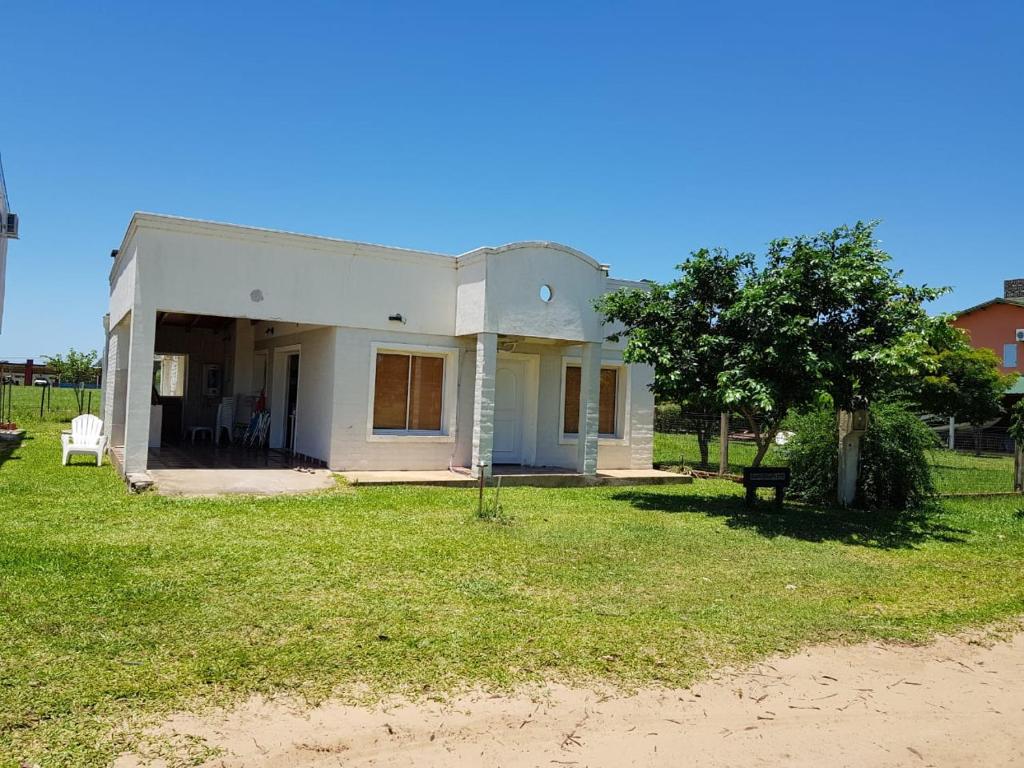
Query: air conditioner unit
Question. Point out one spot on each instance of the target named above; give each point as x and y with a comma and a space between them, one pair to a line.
9, 226
1020, 334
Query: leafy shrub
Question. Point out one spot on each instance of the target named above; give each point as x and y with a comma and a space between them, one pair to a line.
894, 470
813, 456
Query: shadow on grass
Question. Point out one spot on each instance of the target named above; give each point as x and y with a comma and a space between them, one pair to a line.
8, 447
799, 521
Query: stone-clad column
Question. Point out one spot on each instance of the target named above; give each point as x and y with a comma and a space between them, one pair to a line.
140, 389
590, 383
483, 402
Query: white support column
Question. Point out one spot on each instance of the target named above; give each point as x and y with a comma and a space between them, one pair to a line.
244, 346
483, 402
590, 384
140, 389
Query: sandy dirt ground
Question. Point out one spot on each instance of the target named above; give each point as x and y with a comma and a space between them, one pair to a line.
952, 703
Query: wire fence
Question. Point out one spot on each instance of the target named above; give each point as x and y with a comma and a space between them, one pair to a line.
27, 405
981, 461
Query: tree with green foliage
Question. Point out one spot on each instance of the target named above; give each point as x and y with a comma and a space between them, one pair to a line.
961, 381
825, 320
677, 328
77, 368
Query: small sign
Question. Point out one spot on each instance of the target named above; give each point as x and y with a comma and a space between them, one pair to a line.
765, 477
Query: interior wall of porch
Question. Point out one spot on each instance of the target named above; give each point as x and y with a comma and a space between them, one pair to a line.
314, 419
203, 346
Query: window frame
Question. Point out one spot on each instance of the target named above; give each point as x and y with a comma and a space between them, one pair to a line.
622, 421
1008, 351
449, 377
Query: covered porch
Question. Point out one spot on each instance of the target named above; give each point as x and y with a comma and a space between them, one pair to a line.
187, 391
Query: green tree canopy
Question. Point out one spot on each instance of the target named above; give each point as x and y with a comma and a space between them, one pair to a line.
825, 319
678, 329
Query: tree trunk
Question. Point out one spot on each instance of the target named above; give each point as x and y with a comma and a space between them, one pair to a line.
702, 444
762, 440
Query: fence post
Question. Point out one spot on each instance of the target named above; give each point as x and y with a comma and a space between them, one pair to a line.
723, 443
951, 437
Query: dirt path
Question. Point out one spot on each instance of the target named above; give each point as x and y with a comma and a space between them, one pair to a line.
952, 703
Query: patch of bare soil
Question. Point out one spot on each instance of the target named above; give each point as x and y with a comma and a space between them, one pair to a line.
952, 703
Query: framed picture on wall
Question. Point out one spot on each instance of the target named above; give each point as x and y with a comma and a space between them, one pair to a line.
211, 380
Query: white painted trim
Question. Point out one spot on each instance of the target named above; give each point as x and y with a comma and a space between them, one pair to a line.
278, 385
449, 406
622, 405
531, 403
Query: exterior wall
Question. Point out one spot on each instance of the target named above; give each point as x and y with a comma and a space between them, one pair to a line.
314, 417
331, 300
116, 382
234, 272
352, 448
993, 326
499, 292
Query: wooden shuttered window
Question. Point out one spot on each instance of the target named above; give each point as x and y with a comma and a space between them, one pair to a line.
608, 399
408, 392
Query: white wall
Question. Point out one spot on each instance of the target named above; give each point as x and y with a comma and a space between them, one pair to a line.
236, 272
314, 409
348, 290
352, 448
499, 292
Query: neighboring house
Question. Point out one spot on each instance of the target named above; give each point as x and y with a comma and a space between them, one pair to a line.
370, 357
8, 231
998, 324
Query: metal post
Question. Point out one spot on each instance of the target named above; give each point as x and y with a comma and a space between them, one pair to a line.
42, 402
723, 443
480, 500
951, 437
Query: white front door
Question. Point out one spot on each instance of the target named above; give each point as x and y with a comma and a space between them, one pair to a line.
509, 381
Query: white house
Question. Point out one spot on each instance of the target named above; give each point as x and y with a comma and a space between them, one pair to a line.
370, 357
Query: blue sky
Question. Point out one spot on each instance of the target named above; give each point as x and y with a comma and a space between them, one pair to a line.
635, 132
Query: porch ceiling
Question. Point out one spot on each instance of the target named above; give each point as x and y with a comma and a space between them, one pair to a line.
185, 320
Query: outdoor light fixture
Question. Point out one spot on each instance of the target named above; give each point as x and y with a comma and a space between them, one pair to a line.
269, 331
397, 318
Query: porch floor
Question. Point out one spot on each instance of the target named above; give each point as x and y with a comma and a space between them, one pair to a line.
542, 477
206, 470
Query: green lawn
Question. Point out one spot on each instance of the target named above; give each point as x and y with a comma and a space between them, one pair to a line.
955, 472
116, 607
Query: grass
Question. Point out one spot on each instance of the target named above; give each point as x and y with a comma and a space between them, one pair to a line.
117, 608
954, 472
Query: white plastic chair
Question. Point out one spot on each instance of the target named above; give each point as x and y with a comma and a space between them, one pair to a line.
225, 419
86, 438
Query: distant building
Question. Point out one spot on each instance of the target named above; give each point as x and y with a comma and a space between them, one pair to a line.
998, 324
8, 231
28, 372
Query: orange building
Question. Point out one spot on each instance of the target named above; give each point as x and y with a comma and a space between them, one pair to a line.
999, 325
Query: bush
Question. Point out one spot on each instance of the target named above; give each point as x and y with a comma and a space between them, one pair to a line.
894, 470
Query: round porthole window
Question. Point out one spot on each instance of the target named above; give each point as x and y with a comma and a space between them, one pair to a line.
545, 293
